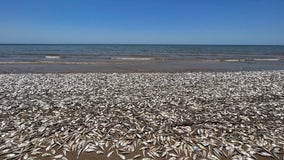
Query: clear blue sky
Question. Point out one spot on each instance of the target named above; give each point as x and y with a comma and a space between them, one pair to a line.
142, 21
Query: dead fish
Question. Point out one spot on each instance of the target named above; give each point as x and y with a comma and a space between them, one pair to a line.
58, 156
46, 155
109, 154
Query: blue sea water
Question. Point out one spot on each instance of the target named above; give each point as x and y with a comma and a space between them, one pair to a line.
97, 52
43, 58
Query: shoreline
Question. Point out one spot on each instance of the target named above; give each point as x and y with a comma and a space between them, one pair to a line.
60, 59
154, 115
141, 65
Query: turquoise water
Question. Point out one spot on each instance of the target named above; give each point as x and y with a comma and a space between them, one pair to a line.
97, 52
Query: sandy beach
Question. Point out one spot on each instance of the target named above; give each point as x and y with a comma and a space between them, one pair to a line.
230, 115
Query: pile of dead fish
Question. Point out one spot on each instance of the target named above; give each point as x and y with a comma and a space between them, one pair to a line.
238, 115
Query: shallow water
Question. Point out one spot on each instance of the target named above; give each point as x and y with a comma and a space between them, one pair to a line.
144, 58
91, 52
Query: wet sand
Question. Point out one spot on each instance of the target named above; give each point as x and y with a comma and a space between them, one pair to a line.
230, 115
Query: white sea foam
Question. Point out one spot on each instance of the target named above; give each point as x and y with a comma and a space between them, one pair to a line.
133, 58
53, 57
232, 60
266, 59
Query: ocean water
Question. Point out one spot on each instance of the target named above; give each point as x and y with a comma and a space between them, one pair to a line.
138, 58
99, 52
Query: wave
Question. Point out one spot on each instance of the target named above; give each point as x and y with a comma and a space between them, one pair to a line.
133, 58
266, 59
54, 56
231, 60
